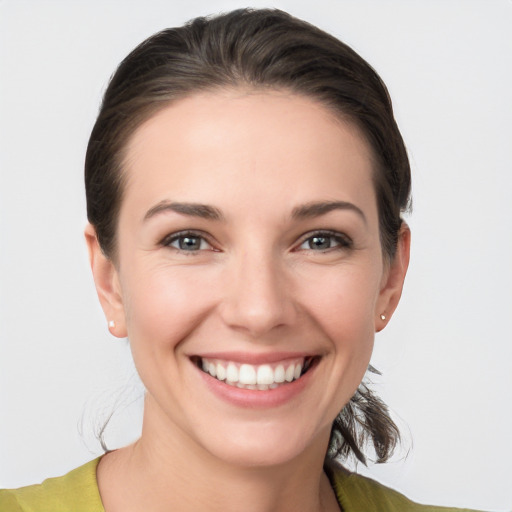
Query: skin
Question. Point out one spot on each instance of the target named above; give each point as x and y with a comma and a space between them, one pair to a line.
255, 285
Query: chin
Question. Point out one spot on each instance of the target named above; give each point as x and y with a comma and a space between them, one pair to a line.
252, 455
265, 445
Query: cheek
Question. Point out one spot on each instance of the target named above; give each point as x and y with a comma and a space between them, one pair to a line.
164, 305
343, 302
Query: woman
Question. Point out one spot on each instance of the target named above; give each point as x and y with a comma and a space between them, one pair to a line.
245, 181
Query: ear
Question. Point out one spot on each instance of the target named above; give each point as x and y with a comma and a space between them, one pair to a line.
393, 280
107, 284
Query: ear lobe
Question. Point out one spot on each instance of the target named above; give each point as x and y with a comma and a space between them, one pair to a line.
106, 280
393, 282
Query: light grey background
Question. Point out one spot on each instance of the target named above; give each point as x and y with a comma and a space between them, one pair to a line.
447, 354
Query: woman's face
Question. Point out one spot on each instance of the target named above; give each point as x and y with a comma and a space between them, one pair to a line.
248, 255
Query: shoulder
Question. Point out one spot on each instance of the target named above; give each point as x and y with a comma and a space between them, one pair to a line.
356, 492
77, 491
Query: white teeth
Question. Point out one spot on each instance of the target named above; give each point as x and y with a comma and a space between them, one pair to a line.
232, 373
290, 371
221, 372
247, 374
265, 375
279, 374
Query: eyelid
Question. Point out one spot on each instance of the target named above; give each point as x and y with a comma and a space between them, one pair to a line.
345, 242
196, 233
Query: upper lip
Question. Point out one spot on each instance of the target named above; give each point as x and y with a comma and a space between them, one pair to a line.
254, 358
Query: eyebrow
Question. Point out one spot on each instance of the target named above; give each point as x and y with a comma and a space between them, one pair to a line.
203, 211
316, 209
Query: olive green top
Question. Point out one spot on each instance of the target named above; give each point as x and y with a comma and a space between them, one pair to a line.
78, 492
75, 492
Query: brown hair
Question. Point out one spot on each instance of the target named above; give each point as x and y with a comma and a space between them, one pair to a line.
259, 49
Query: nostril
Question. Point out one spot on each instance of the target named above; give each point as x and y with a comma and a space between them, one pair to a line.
256, 299
257, 317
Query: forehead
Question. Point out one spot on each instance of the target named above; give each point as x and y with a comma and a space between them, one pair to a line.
212, 145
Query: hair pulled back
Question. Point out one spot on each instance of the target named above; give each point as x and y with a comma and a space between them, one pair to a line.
260, 49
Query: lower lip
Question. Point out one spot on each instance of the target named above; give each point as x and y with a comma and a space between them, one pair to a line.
251, 398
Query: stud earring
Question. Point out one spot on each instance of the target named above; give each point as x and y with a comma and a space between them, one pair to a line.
383, 317
111, 324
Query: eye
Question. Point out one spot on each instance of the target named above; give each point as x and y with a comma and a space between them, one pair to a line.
324, 241
187, 242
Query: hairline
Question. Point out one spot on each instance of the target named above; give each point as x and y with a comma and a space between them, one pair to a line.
155, 105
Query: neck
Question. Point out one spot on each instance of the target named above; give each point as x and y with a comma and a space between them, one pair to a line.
169, 472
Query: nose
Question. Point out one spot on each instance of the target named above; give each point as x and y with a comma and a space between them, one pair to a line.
259, 296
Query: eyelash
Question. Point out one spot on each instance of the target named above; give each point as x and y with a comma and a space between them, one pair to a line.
343, 242
182, 235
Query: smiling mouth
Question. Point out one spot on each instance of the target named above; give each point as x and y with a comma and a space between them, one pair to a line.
262, 377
